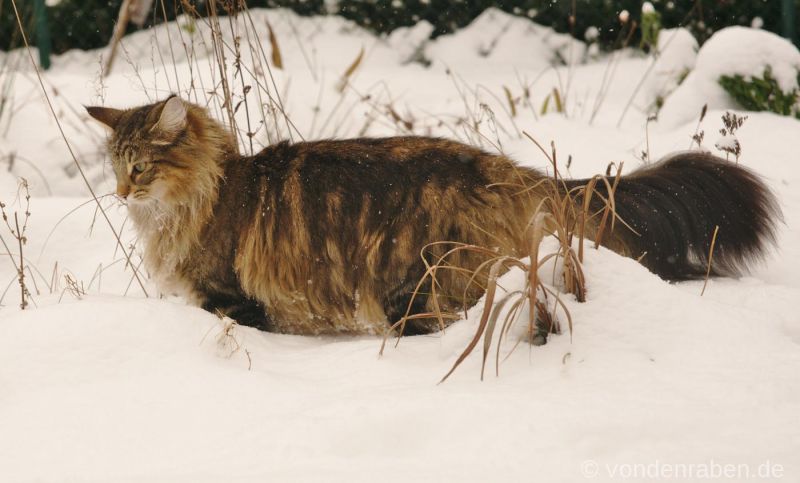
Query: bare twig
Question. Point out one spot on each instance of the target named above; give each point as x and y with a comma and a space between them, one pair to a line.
69, 146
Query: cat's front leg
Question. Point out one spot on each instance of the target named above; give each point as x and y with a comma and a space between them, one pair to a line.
245, 311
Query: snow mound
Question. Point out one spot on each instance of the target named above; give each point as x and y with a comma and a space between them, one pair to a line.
677, 54
409, 42
502, 38
734, 50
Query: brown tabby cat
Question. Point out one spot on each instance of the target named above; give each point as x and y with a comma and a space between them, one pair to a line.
325, 237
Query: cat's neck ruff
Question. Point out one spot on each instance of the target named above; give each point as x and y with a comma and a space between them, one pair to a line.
171, 231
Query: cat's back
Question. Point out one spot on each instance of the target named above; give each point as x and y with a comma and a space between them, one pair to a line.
411, 160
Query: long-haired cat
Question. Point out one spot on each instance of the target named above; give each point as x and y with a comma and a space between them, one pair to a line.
325, 237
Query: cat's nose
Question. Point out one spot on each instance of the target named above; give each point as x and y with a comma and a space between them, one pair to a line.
123, 190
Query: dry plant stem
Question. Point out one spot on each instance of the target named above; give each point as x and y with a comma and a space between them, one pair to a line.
171, 50
53, 277
190, 89
70, 212
430, 272
289, 124
510, 99
473, 279
17, 268
33, 279
511, 317
644, 77
219, 53
490, 327
537, 234
219, 42
33, 271
277, 58
647, 136
487, 308
344, 83
492, 310
69, 147
136, 69
155, 46
258, 67
571, 56
296, 34
611, 71
564, 219
119, 31
245, 88
510, 112
526, 90
588, 191
696, 136
636, 90
19, 234
8, 287
21, 274
710, 258
563, 308
610, 207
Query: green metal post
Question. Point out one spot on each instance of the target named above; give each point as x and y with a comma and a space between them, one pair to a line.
789, 14
42, 33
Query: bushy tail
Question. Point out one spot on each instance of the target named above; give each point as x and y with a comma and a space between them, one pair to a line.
674, 207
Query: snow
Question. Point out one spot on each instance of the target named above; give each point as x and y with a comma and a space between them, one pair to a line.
113, 386
677, 54
591, 34
730, 51
727, 142
409, 42
505, 39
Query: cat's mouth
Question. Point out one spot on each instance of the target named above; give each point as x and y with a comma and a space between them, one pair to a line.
140, 197
150, 194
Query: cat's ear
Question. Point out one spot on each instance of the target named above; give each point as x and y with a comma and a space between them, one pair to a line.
173, 116
108, 116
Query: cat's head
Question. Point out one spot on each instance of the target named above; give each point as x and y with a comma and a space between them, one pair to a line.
168, 152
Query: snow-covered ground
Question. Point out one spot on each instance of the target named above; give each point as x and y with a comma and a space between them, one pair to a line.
655, 382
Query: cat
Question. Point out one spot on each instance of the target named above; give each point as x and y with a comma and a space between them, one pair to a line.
325, 237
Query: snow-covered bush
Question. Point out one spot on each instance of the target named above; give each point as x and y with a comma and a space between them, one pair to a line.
762, 93
767, 65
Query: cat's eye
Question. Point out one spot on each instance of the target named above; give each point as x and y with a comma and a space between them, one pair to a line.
139, 167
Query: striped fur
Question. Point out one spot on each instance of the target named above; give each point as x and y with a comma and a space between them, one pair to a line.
325, 237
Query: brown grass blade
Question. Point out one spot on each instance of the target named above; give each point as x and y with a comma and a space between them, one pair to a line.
511, 104
710, 258
489, 332
557, 99
511, 317
611, 207
487, 308
545, 105
277, 59
537, 234
350, 70
588, 190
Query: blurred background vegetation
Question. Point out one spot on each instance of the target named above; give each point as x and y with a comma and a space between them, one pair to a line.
86, 24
